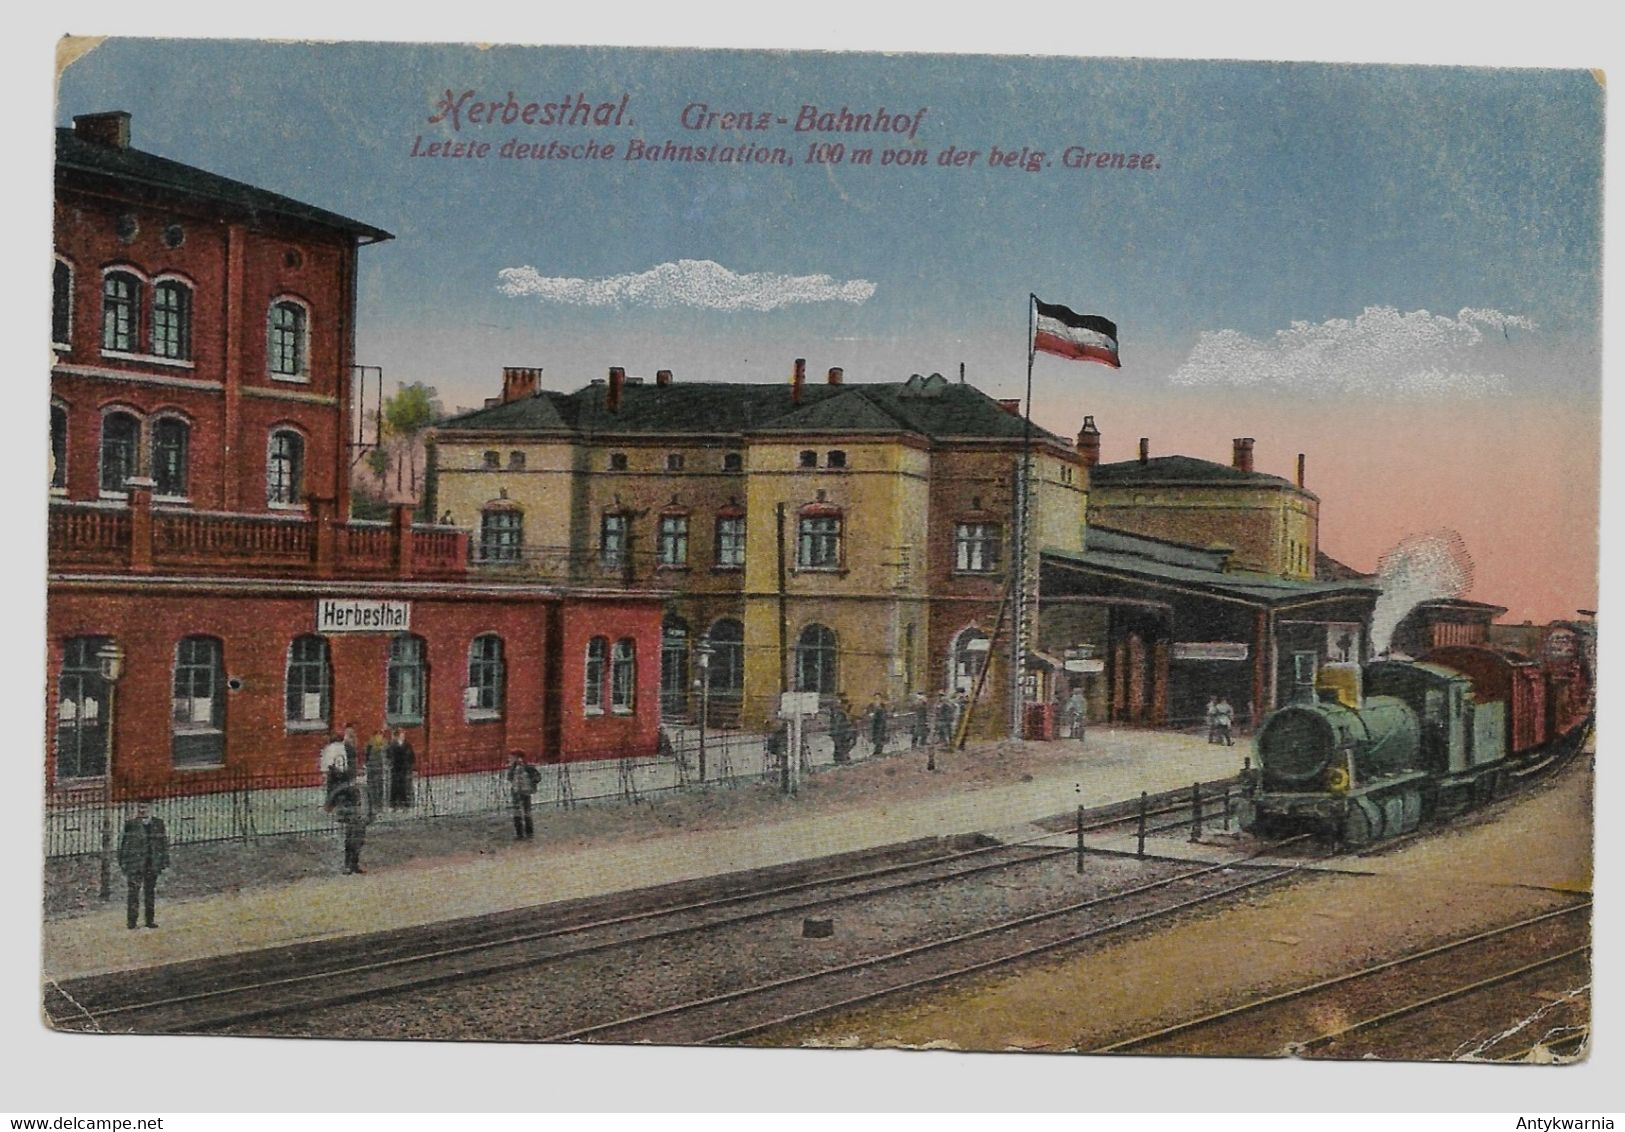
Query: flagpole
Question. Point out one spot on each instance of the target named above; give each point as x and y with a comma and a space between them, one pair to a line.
1018, 639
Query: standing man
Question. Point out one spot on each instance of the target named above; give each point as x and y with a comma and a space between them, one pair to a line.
376, 773
841, 735
1213, 719
522, 780
919, 723
1077, 713
1223, 717
347, 806
877, 724
402, 760
143, 853
947, 719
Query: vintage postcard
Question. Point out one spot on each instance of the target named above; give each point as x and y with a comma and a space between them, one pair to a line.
797, 549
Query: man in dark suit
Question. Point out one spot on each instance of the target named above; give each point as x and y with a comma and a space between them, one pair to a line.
143, 853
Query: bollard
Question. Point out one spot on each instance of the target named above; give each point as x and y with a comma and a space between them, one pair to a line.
1140, 837
1196, 811
1080, 840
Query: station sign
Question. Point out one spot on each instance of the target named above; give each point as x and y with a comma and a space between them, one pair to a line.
353, 615
1210, 650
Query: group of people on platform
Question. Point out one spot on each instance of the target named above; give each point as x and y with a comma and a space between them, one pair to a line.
361, 782
926, 721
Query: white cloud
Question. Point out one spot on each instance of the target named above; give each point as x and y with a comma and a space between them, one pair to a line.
701, 283
1380, 352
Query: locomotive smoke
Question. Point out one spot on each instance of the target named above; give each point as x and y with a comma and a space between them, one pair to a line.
1418, 568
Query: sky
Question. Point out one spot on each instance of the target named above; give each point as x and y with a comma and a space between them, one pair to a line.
1393, 270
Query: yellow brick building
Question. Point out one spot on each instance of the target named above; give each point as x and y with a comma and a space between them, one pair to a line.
1270, 525
891, 506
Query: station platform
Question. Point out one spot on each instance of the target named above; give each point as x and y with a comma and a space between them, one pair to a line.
839, 810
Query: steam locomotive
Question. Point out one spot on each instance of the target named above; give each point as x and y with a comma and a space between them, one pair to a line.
1376, 749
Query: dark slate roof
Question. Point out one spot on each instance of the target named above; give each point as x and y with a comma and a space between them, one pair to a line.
1180, 470
1262, 589
941, 412
135, 167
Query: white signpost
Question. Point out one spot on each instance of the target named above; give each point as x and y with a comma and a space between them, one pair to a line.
792, 707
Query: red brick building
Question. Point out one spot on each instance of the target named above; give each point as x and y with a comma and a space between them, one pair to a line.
201, 553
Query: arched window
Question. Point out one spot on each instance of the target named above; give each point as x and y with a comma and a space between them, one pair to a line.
968, 655
172, 319
121, 312
170, 439
623, 677
406, 691
284, 468
81, 711
815, 660
592, 697
121, 438
726, 666
289, 339
309, 683
502, 534
61, 304
59, 447
198, 706
486, 674
674, 668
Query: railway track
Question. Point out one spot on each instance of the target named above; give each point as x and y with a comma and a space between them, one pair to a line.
207, 996
1380, 1002
749, 1011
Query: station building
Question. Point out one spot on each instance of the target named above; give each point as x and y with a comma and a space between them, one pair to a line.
212, 609
1197, 579
851, 539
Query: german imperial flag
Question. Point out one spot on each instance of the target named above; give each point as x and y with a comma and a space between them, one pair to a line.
1063, 332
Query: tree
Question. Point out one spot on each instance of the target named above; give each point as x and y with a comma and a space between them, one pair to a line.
412, 409
378, 463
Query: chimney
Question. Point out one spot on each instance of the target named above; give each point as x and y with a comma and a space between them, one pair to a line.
518, 382
1089, 442
662, 377
1300, 469
799, 381
617, 382
836, 375
111, 129
1241, 454
1145, 449
1011, 405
